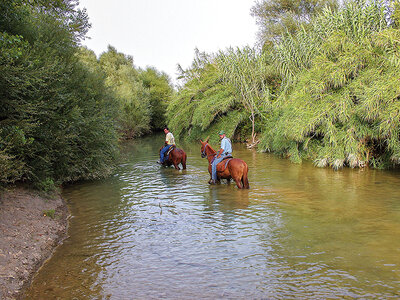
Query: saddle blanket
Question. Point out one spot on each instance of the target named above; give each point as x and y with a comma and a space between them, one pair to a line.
169, 151
224, 163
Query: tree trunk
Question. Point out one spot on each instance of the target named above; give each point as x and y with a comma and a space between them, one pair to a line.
252, 127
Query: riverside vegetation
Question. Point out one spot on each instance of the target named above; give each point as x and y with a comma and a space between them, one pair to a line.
324, 86
62, 109
321, 84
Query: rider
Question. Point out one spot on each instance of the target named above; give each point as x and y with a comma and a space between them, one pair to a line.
226, 150
169, 141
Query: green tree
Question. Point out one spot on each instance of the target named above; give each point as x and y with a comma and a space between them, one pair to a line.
204, 104
161, 93
55, 121
342, 107
276, 17
245, 70
131, 96
294, 52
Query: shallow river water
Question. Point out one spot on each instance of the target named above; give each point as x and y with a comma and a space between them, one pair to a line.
299, 232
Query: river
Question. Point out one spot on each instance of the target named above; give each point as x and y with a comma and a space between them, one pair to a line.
156, 233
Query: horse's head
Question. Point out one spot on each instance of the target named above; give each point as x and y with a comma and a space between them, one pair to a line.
203, 148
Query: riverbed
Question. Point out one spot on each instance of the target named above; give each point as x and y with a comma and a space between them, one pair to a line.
150, 232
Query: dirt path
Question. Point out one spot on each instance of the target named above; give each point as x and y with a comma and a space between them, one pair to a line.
27, 236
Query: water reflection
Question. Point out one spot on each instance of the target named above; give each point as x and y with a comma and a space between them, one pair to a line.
227, 198
299, 232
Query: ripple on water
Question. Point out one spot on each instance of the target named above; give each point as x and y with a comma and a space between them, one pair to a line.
299, 232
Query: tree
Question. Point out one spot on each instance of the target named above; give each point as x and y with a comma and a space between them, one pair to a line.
294, 53
131, 96
245, 70
342, 108
55, 121
204, 104
276, 17
161, 93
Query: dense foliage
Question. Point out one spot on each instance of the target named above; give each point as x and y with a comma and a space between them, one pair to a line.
326, 91
205, 103
276, 17
160, 95
55, 118
323, 86
340, 106
140, 96
131, 96
62, 109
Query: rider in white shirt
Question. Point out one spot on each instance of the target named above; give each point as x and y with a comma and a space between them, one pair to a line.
169, 141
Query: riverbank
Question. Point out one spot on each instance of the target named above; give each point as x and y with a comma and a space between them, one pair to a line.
31, 227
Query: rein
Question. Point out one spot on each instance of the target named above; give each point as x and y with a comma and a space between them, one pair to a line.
203, 153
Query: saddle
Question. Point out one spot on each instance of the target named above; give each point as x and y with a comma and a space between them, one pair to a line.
169, 151
224, 163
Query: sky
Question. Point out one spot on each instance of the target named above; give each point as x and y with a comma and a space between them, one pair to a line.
164, 33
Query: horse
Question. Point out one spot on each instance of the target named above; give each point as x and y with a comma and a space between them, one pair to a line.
176, 156
230, 168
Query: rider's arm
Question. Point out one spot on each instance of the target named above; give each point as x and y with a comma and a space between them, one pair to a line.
219, 152
223, 146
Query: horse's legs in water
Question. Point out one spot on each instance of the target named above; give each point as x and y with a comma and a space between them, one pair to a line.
216, 181
238, 183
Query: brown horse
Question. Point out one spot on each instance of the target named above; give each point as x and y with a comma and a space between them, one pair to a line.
234, 168
176, 156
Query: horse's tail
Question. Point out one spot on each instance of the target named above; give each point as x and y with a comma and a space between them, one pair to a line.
245, 180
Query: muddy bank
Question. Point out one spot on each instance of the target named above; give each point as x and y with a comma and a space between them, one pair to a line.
30, 228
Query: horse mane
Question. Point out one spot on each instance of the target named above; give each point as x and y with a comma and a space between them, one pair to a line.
211, 148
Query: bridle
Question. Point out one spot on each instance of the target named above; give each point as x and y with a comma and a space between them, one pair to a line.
204, 154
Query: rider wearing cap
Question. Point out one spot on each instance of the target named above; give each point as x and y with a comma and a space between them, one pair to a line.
169, 141
226, 150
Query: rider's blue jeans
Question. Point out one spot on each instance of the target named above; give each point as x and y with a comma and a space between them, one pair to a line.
163, 151
214, 166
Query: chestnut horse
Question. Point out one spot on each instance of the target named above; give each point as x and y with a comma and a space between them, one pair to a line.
176, 156
230, 168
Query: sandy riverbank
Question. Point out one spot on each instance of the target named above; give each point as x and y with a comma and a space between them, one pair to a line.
28, 236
